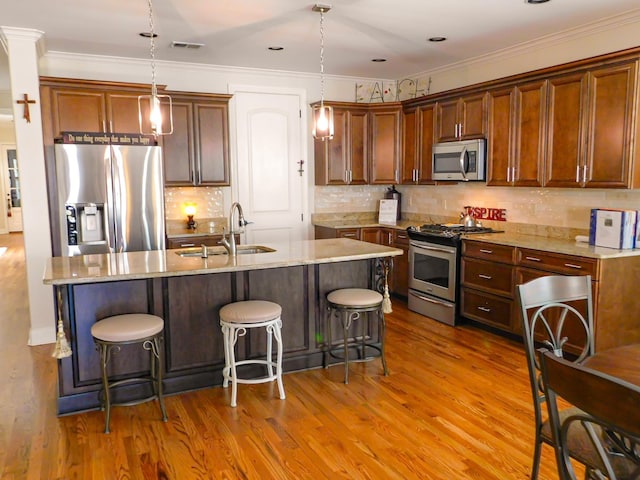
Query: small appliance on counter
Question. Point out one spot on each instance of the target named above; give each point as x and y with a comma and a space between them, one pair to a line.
393, 194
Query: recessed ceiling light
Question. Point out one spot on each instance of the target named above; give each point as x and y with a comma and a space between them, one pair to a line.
379, 60
437, 39
276, 49
534, 2
147, 34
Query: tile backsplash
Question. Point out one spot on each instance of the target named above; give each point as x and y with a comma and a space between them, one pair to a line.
209, 202
566, 208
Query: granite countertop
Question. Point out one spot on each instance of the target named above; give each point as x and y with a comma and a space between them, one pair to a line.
166, 263
564, 246
554, 245
358, 223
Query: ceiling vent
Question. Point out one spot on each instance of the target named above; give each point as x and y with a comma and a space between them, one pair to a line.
191, 45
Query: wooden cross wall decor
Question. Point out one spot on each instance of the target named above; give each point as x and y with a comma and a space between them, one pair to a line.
26, 102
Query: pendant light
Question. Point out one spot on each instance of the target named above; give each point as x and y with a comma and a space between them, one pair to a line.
149, 106
322, 114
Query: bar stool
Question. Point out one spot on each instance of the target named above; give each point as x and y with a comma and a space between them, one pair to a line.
349, 304
235, 319
114, 332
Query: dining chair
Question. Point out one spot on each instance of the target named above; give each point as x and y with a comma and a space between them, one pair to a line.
609, 418
557, 312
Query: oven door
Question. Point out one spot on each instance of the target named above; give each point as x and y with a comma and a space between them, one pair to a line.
432, 269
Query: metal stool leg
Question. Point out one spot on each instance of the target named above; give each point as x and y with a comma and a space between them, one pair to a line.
277, 333
104, 358
269, 351
156, 372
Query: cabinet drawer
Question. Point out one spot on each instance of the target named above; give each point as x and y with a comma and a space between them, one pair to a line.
491, 277
348, 233
400, 238
489, 251
556, 262
487, 309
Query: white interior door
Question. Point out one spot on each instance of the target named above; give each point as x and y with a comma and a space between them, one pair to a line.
271, 181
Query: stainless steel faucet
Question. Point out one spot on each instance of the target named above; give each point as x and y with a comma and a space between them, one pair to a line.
229, 240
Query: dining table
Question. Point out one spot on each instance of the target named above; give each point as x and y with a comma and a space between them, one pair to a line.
621, 362
624, 363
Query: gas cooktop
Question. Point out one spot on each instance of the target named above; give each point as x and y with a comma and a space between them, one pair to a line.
453, 231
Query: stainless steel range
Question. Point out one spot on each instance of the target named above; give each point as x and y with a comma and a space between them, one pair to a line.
434, 266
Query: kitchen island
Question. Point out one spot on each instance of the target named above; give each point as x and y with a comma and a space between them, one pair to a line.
188, 293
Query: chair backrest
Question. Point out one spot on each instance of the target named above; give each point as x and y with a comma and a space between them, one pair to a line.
611, 417
557, 312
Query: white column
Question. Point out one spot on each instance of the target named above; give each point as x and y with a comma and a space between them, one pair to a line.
22, 47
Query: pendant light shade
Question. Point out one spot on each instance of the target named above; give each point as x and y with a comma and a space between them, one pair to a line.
155, 112
322, 114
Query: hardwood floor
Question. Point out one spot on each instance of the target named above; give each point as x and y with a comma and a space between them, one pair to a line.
456, 405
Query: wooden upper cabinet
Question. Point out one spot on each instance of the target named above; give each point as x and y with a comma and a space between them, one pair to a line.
123, 116
197, 152
417, 145
343, 159
78, 111
611, 106
565, 130
530, 134
365, 147
358, 144
384, 159
461, 118
87, 108
177, 148
211, 142
500, 136
590, 137
516, 135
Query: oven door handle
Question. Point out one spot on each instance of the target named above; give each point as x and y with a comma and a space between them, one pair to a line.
433, 249
430, 300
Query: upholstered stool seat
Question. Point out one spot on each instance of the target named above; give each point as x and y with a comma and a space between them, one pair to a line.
114, 332
235, 319
348, 304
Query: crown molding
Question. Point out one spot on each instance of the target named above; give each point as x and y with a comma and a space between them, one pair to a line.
608, 24
182, 66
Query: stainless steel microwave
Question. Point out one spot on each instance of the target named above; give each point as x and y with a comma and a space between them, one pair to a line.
463, 160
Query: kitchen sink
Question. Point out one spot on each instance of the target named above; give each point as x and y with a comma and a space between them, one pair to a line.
240, 250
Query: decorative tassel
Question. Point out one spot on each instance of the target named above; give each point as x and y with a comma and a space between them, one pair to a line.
62, 348
386, 299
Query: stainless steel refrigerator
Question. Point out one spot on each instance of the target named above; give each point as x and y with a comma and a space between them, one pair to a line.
110, 198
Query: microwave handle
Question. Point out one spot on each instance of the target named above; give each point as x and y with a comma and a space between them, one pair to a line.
462, 155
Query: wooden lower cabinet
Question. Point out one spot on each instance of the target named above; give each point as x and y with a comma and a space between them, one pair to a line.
489, 298
391, 237
487, 278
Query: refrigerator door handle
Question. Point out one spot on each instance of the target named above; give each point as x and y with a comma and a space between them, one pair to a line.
109, 224
116, 176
